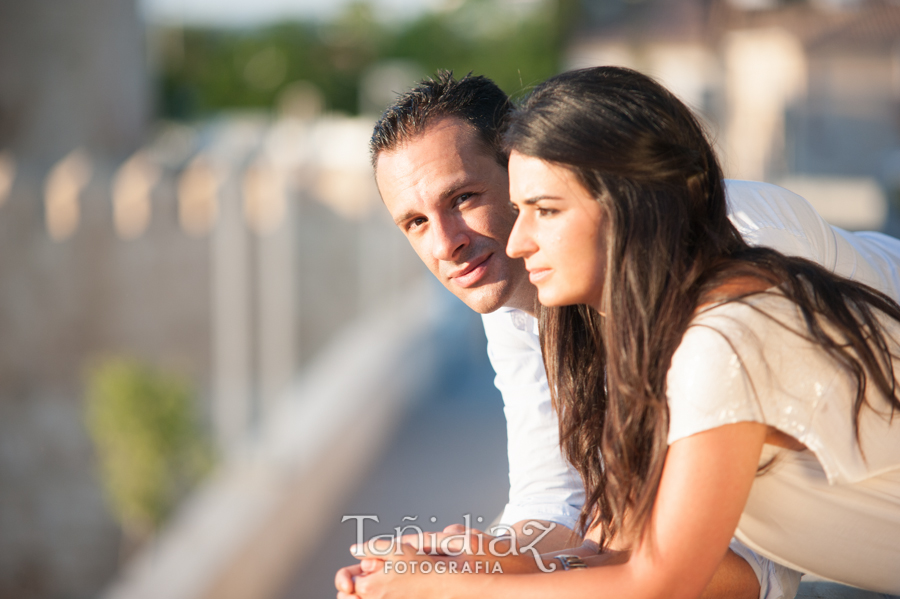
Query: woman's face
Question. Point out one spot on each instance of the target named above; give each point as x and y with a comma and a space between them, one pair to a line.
561, 232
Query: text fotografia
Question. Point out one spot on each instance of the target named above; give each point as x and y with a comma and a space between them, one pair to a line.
469, 543
427, 567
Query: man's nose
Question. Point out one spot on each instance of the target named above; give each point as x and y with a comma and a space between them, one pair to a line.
520, 244
449, 239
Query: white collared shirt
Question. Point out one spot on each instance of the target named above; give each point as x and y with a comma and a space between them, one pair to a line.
543, 485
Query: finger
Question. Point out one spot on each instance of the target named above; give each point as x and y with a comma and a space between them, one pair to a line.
376, 548
362, 585
442, 543
463, 543
343, 580
460, 529
341, 595
370, 565
405, 550
428, 541
419, 539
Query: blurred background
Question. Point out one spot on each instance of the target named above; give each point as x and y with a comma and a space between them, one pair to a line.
214, 343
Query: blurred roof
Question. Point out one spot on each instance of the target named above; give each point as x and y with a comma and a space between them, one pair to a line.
871, 24
664, 20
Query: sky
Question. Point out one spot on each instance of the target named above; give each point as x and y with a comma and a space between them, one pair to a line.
232, 13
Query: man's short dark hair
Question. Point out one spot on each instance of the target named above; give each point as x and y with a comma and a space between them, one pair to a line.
475, 99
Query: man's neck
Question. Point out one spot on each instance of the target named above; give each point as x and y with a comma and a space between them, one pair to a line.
524, 299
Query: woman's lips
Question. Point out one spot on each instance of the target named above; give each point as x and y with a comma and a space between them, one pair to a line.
472, 274
538, 274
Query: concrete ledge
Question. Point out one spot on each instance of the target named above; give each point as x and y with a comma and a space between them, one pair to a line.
813, 587
244, 531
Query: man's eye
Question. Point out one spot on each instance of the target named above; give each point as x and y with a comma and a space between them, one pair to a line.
416, 222
462, 198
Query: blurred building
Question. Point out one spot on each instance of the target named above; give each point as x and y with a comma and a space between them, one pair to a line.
228, 254
805, 94
72, 75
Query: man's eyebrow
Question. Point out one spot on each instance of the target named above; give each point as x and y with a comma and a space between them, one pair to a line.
451, 191
454, 188
405, 217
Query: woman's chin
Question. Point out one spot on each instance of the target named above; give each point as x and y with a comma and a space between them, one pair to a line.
553, 299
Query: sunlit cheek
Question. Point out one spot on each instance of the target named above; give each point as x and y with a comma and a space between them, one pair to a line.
481, 216
554, 242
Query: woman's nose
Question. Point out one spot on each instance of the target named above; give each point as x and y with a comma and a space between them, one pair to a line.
520, 244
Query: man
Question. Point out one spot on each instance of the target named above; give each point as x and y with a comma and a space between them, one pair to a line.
442, 175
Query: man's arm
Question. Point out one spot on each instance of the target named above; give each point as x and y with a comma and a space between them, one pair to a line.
543, 486
558, 537
771, 216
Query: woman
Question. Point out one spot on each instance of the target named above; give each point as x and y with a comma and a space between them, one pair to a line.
607, 164
728, 389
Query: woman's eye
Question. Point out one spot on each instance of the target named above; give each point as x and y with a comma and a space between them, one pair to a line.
545, 211
514, 208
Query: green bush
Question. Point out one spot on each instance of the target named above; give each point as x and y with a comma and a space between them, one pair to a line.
203, 70
149, 445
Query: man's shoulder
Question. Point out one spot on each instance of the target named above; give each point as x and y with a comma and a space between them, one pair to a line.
742, 195
772, 216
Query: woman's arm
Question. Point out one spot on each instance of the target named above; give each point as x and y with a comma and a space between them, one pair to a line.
704, 486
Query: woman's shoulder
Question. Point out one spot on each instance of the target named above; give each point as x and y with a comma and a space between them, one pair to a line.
764, 335
757, 308
753, 359
712, 378
746, 359
770, 314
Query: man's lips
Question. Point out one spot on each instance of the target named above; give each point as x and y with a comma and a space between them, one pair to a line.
471, 274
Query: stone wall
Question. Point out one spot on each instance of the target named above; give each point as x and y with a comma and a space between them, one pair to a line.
236, 310
106, 250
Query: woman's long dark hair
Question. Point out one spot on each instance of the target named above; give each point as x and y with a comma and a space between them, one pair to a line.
646, 159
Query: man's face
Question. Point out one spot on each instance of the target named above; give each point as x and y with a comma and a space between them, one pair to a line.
450, 197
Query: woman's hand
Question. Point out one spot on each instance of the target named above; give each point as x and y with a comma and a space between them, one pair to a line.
345, 579
705, 483
407, 567
406, 572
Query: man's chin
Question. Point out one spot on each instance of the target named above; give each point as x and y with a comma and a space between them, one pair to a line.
484, 300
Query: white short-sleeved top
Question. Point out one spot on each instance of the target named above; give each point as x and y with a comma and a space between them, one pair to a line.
832, 510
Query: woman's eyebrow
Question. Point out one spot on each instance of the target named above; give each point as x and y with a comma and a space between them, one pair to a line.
537, 199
